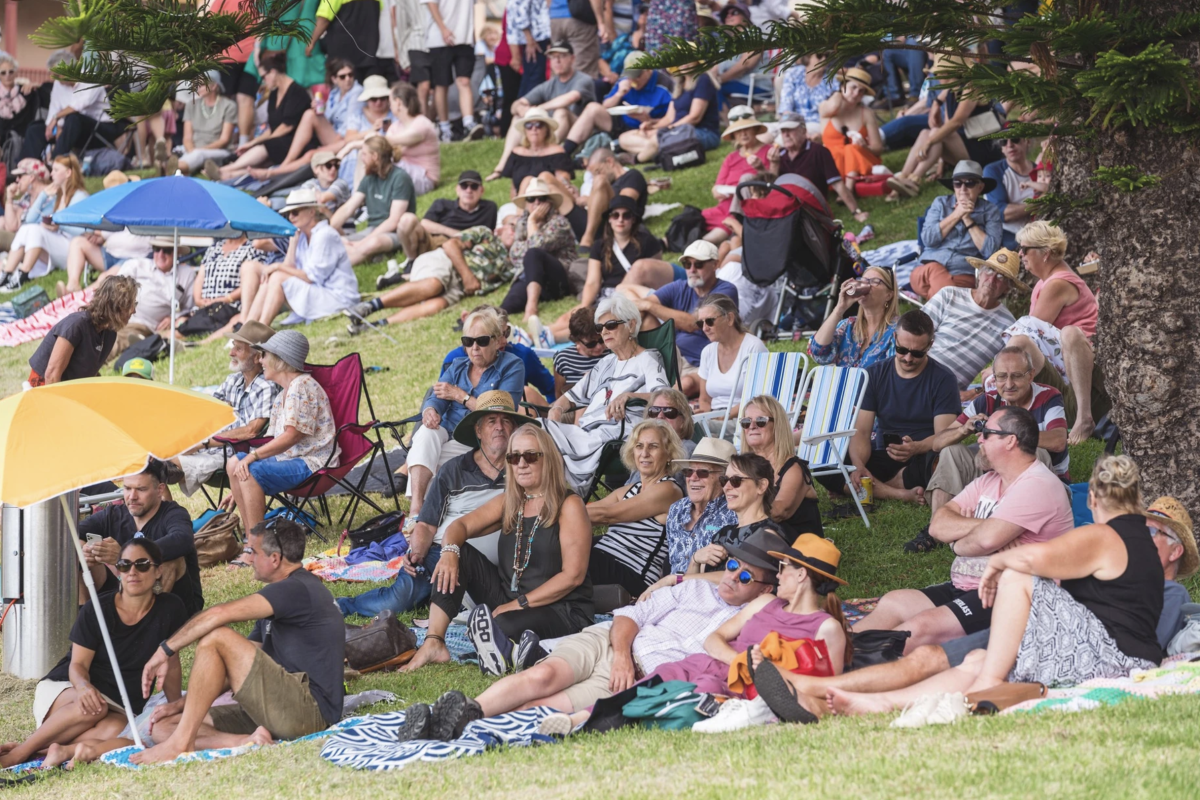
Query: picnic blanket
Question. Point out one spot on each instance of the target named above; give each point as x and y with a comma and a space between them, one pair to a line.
372, 744
854, 610
39, 323
336, 569
460, 647
1177, 675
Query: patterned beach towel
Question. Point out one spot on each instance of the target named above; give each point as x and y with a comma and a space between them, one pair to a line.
1175, 676
336, 569
39, 323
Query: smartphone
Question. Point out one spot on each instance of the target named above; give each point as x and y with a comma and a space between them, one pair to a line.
892, 438
94, 538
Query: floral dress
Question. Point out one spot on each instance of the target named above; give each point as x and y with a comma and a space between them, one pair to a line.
844, 351
305, 407
669, 18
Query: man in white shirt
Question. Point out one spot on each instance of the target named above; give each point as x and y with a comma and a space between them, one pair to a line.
450, 40
76, 111
156, 290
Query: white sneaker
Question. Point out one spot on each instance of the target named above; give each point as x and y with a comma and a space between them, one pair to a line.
915, 714
736, 714
546, 339
941, 708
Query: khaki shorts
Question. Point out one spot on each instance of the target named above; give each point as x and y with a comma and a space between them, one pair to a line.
47, 692
425, 242
589, 654
273, 698
436, 264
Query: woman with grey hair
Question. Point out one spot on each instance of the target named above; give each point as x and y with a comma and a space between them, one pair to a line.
18, 101
628, 372
208, 122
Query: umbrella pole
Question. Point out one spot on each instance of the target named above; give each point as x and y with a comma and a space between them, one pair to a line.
71, 514
174, 305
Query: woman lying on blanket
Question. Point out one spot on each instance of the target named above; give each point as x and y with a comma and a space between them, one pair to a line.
540, 587
77, 706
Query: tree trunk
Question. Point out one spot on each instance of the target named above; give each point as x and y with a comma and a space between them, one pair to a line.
1148, 337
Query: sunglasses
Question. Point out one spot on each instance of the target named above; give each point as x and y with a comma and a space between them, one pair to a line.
621, 215
1025, 248
611, 325
908, 351
471, 186
964, 184
707, 322
758, 422
295, 212
8, 72
163, 249
1157, 531
537, 199
986, 432
332, 164
528, 456
469, 341
743, 575
666, 412
702, 474
1011, 141
691, 264
141, 565
379, 100
733, 480
531, 125
344, 76
593, 344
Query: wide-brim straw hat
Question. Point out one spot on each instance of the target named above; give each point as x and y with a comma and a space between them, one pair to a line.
862, 78
291, 346
538, 188
710, 450
301, 198
495, 401
168, 243
1171, 513
1003, 262
814, 554
537, 115
744, 124
374, 86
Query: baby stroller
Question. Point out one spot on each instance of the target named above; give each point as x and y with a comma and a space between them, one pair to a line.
790, 238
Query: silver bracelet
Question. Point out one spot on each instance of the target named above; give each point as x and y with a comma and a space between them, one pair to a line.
452, 548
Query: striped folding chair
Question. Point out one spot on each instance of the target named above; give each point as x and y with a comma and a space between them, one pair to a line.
779, 375
835, 396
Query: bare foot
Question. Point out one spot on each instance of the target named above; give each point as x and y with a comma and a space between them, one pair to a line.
159, 754
919, 495
1082, 431
260, 174
433, 651
261, 737
855, 703
59, 754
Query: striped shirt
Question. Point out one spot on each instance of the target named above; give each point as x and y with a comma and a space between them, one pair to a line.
640, 545
968, 336
1047, 409
573, 365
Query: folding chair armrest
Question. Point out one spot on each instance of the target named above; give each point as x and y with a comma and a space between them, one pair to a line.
824, 437
244, 445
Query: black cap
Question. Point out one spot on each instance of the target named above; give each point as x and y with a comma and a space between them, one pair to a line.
470, 175
560, 46
623, 202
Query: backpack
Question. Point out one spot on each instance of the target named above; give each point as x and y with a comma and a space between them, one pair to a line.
102, 161
687, 226
582, 11
150, 348
679, 148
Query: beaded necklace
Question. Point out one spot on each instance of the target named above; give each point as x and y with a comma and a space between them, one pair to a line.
519, 565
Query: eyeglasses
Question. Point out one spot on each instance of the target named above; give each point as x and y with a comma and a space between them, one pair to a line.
965, 184
1025, 248
986, 432
733, 480
702, 474
908, 351
744, 576
531, 125
611, 325
873, 281
8, 72
1157, 531
141, 565
344, 76
691, 264
707, 322
1001, 377
471, 186
666, 412
758, 422
619, 215
528, 456
470, 341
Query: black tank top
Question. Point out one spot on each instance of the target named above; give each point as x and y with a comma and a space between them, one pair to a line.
544, 563
1129, 606
807, 516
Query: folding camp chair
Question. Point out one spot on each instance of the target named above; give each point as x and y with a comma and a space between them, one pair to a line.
779, 375
835, 396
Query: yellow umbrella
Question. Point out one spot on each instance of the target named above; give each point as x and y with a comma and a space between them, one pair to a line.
65, 436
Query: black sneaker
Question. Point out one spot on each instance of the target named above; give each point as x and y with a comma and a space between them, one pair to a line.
416, 723
392, 277
529, 651
923, 543
491, 643
450, 715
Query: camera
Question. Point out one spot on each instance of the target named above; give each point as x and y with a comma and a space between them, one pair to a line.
979, 425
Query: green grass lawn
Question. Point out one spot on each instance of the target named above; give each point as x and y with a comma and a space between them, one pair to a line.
1137, 750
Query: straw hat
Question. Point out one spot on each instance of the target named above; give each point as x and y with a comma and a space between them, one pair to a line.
495, 401
1003, 262
814, 554
374, 86
1171, 513
710, 451
291, 346
862, 78
744, 124
301, 198
167, 242
537, 115
538, 188
705, 16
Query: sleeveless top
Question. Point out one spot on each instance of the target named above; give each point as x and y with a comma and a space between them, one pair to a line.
640, 545
1082, 313
807, 517
774, 617
544, 563
1128, 606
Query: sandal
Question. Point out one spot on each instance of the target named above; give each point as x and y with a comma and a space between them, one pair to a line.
779, 695
923, 543
495, 176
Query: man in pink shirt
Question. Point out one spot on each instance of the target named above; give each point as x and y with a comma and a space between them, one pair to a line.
1019, 501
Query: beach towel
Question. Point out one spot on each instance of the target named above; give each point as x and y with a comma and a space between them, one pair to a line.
1177, 675
39, 323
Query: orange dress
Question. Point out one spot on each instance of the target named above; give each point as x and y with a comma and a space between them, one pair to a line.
849, 157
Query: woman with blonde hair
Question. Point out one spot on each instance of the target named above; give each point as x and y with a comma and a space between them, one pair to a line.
633, 553
41, 246
870, 335
79, 344
1083, 605
539, 587
767, 431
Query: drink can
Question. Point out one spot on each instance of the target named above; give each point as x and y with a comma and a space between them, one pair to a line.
867, 495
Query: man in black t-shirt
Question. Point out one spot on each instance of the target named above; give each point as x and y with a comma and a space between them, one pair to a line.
163, 522
286, 676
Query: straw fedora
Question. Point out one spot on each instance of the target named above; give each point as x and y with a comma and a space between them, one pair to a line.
744, 124
374, 86
538, 188
862, 78
167, 243
1003, 262
814, 554
537, 115
301, 198
1171, 513
711, 450
495, 401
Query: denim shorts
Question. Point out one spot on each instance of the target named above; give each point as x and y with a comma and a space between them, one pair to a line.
275, 476
709, 139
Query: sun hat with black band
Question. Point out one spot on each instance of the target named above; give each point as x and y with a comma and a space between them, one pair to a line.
862, 78
1003, 262
710, 450
301, 198
968, 169
814, 554
757, 549
291, 346
495, 401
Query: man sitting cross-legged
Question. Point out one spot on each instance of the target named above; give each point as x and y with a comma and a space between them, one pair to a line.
286, 676
1017, 502
463, 484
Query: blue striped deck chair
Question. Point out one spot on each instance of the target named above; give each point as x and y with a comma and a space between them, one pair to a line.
779, 375
835, 397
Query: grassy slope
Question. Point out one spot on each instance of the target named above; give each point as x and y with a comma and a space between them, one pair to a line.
1137, 750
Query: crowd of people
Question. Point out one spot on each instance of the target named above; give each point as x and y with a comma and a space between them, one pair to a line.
714, 561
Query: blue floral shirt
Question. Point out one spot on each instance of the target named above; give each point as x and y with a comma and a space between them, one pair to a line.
682, 544
506, 374
527, 14
844, 351
797, 97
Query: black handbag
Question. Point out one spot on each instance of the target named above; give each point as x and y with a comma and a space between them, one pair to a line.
150, 348
376, 529
877, 647
382, 642
204, 321
582, 11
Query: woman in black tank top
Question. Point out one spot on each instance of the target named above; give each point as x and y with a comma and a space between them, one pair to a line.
1100, 622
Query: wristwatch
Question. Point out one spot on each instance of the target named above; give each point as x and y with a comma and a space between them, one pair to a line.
522, 601
166, 648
